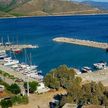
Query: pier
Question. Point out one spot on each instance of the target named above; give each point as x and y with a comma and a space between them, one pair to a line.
81, 42
10, 47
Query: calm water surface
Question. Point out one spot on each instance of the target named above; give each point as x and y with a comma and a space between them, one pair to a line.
41, 31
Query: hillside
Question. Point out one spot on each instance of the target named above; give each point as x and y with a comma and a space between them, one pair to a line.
100, 5
44, 7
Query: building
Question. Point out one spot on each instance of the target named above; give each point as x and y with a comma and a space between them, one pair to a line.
2, 88
41, 88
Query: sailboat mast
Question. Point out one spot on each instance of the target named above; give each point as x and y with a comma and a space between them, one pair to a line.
30, 59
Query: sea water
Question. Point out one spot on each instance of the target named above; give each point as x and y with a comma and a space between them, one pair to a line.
41, 31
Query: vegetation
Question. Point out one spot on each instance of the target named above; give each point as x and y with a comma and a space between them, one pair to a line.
6, 103
9, 102
20, 100
90, 93
32, 86
43, 7
14, 88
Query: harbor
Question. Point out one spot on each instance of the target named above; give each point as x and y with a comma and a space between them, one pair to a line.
13, 66
81, 42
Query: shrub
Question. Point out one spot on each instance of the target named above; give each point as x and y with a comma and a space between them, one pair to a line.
15, 89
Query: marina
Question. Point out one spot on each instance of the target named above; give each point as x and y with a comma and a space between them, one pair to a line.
82, 42
16, 68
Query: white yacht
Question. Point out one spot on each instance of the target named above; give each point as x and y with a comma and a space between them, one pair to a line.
7, 59
3, 54
86, 69
101, 65
11, 62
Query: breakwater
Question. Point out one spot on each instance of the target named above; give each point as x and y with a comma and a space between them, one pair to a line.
82, 42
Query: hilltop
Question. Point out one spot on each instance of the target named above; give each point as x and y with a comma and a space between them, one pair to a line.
100, 5
44, 7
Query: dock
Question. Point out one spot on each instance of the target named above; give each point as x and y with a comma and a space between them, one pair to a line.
10, 47
82, 42
15, 74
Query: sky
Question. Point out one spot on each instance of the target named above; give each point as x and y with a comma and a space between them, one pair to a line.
94, 0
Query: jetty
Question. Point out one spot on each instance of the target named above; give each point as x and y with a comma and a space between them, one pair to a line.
81, 42
10, 47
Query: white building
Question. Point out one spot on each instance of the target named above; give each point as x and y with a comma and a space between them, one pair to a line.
41, 88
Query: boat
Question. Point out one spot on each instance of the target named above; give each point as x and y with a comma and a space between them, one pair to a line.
11, 62
6, 59
3, 54
32, 67
100, 65
86, 69
17, 51
77, 71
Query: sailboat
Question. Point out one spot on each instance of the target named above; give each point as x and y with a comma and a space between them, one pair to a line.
10, 62
8, 43
17, 50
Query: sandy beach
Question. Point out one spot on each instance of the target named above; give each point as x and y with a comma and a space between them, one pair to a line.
81, 42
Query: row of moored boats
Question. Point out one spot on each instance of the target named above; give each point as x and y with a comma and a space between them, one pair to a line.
23, 68
100, 65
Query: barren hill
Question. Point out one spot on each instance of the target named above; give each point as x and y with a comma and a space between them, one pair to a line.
45, 7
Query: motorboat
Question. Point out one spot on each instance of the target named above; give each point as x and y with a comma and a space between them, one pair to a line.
3, 54
17, 51
11, 62
100, 65
6, 59
86, 69
32, 67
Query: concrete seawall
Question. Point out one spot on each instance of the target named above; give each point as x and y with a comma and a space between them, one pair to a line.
81, 42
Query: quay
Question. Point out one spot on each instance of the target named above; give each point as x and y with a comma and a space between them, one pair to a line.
96, 76
82, 42
10, 47
16, 74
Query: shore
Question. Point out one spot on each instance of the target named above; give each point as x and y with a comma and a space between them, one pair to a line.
82, 42
15, 74
96, 76
54, 15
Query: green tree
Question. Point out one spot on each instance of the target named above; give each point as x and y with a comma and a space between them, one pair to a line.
6, 103
32, 86
15, 89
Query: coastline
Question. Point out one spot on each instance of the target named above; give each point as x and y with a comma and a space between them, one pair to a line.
96, 76
81, 42
92, 14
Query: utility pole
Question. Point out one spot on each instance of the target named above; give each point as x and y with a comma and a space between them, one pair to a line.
27, 85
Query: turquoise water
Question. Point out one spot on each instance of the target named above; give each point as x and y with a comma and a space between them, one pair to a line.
41, 31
